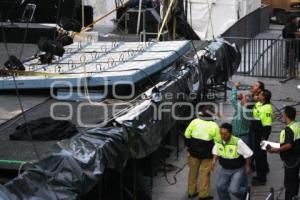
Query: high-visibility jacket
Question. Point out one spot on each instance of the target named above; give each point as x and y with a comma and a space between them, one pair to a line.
295, 127
293, 154
228, 153
200, 135
263, 113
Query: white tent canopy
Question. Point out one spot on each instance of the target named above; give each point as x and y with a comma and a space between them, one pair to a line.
213, 17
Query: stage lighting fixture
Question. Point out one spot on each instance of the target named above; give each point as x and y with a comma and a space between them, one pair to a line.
13, 63
52, 47
46, 58
64, 39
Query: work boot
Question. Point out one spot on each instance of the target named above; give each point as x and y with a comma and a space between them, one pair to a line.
192, 195
206, 198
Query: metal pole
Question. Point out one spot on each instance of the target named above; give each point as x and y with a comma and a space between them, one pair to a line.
165, 19
82, 12
139, 17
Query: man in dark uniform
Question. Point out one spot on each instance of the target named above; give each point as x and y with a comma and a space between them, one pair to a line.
290, 152
261, 128
290, 32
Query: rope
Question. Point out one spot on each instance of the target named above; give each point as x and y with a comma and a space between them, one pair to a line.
99, 19
165, 19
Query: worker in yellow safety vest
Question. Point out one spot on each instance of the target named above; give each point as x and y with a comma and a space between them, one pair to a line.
260, 128
290, 152
235, 159
200, 135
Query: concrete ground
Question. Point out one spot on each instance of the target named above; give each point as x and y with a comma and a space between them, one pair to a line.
283, 94
9, 104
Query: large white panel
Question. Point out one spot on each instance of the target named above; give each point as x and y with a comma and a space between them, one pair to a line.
214, 17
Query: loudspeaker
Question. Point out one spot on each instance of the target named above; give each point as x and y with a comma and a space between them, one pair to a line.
150, 20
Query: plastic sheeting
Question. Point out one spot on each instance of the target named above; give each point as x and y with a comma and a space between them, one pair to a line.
213, 17
77, 164
220, 61
74, 169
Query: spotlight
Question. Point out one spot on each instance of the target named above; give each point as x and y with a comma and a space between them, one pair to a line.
13, 63
46, 58
52, 47
71, 25
64, 39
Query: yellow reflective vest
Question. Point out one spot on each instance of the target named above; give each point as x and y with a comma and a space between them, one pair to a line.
264, 113
295, 127
203, 130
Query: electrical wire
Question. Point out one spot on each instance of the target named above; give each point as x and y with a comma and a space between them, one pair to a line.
28, 131
174, 176
18, 97
16, 118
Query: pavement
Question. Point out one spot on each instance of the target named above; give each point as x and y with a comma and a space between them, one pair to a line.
283, 94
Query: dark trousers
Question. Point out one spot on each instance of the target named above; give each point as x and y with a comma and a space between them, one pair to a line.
292, 55
291, 180
260, 156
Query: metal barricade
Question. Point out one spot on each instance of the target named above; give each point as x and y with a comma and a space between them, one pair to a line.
270, 58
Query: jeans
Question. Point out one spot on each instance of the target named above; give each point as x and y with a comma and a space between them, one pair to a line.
231, 181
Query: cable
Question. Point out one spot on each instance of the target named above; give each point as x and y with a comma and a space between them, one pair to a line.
18, 95
120, 113
24, 117
20, 101
11, 121
174, 176
22, 165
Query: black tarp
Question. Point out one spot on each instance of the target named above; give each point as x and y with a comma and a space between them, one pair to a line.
75, 168
220, 61
77, 164
44, 129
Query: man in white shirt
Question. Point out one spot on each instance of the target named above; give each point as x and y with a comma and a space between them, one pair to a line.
235, 159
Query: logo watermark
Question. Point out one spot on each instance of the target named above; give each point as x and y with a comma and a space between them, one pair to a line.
172, 106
